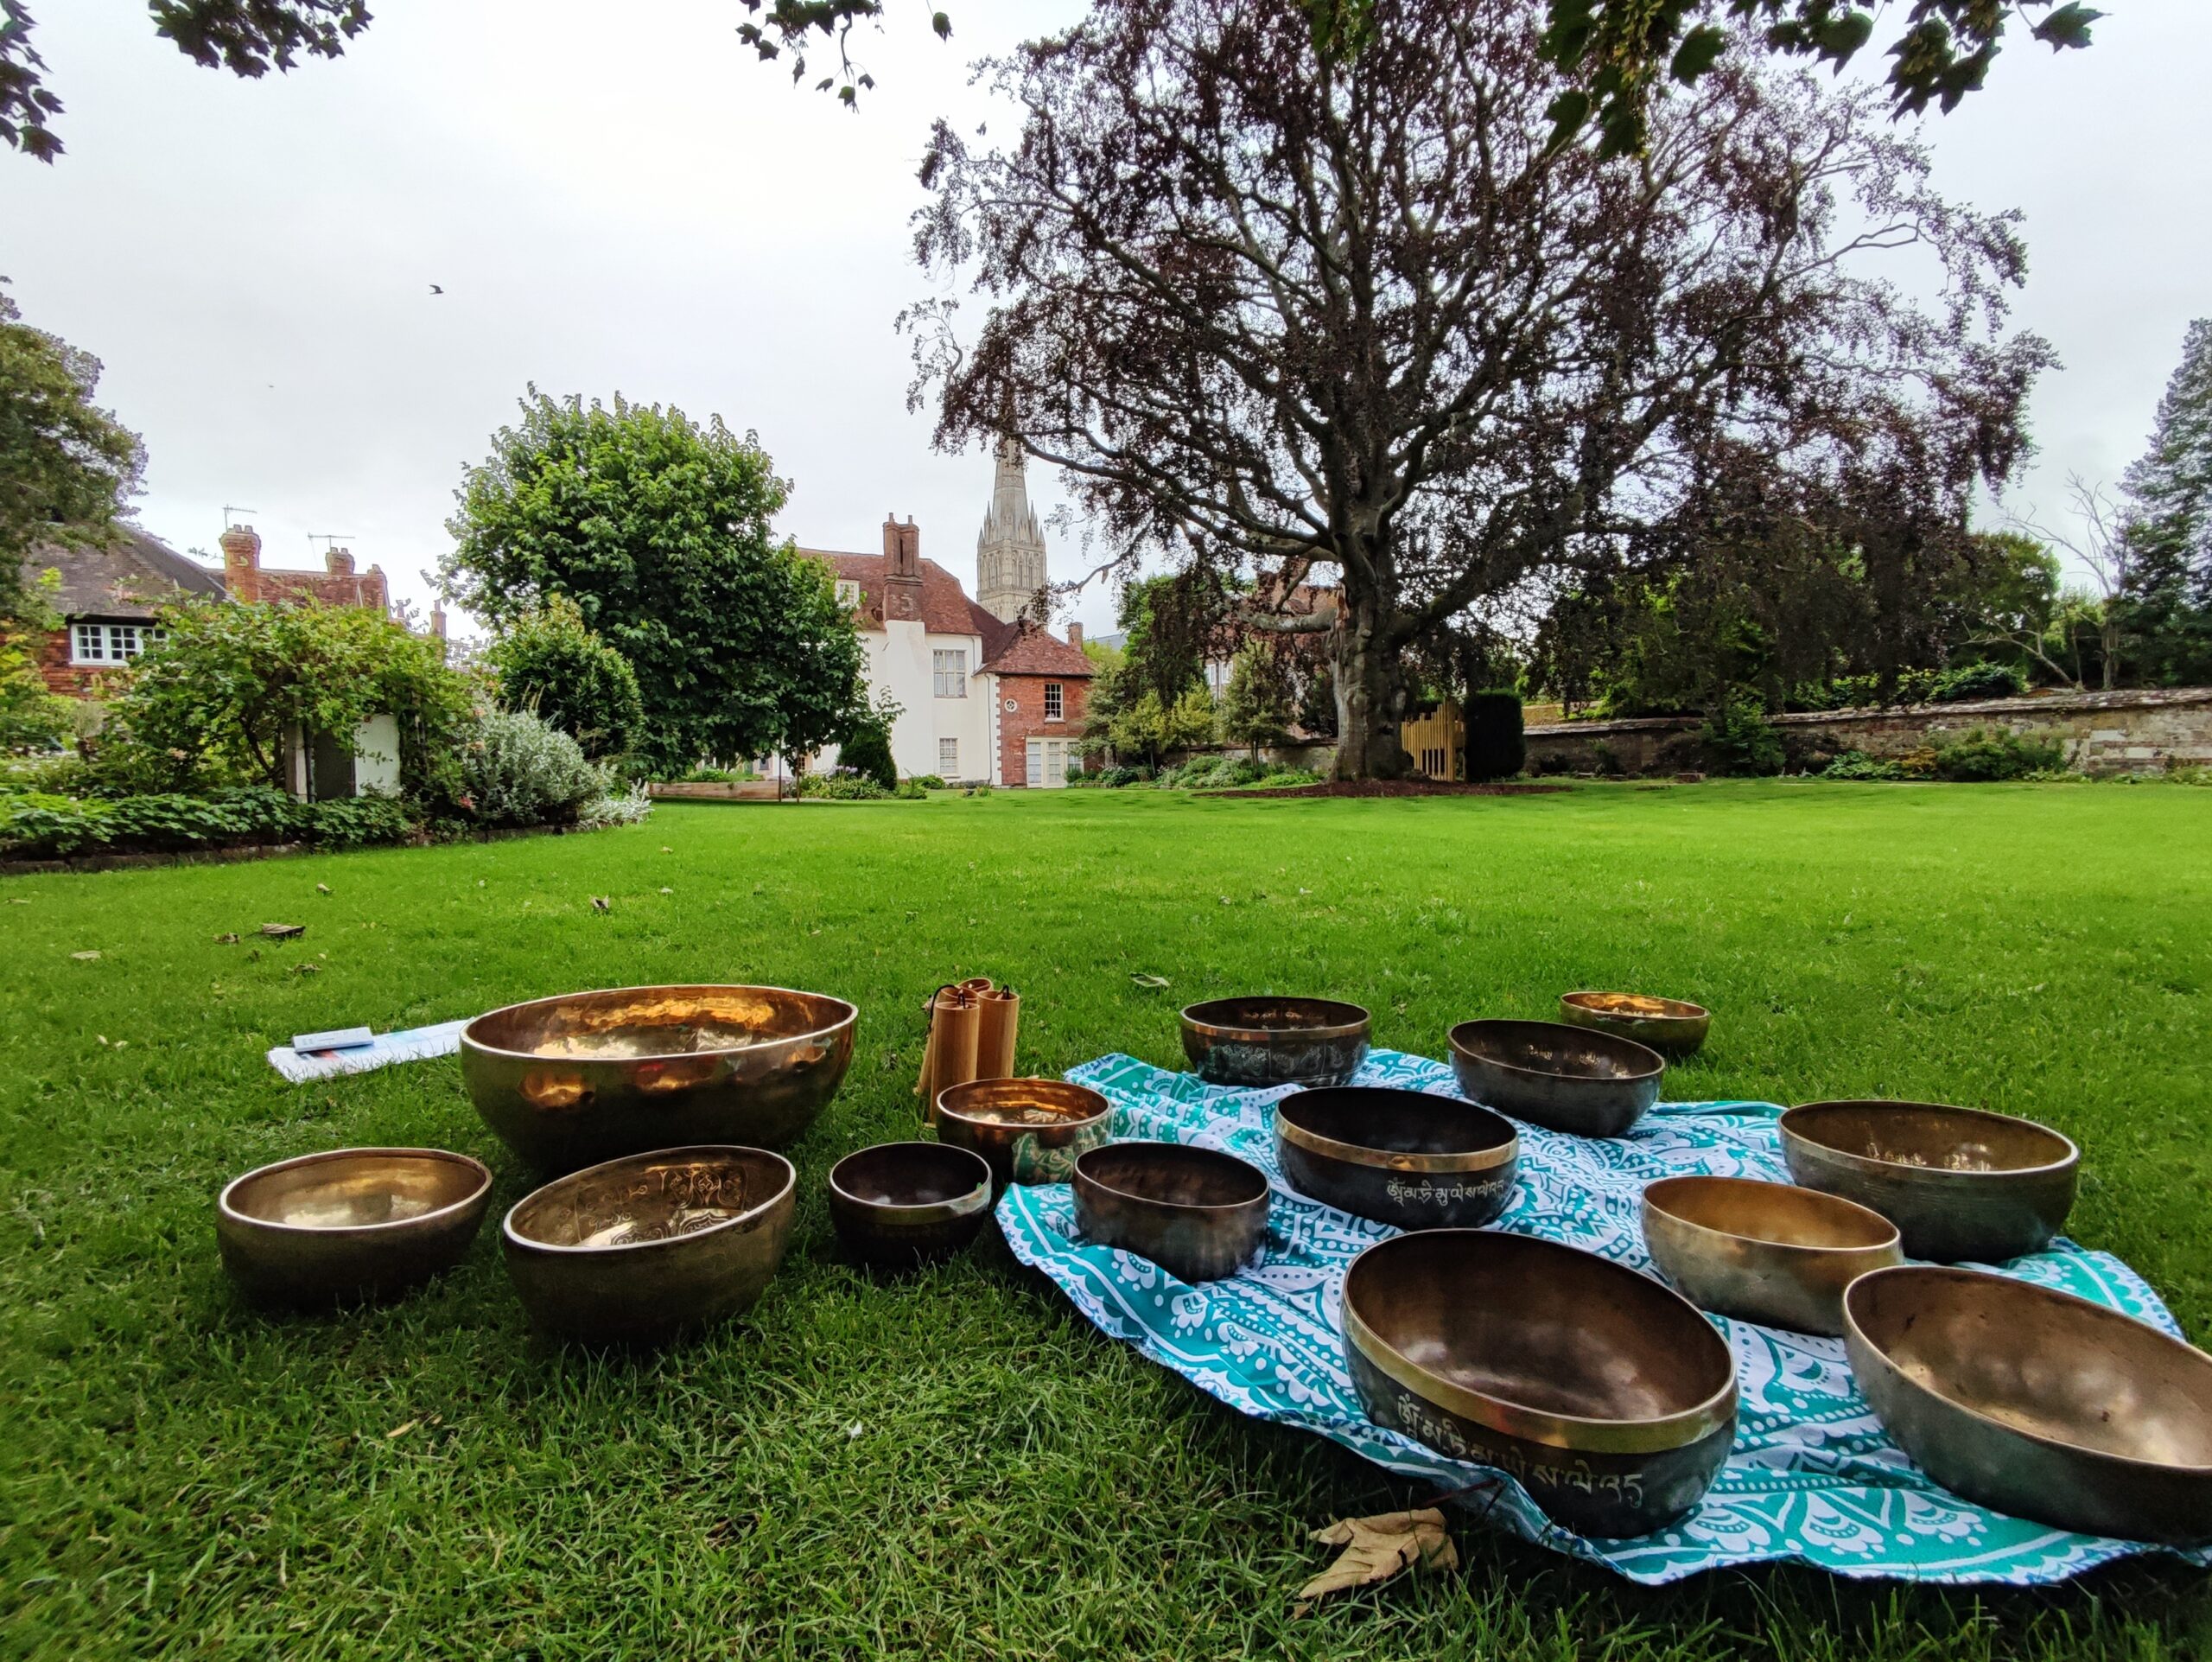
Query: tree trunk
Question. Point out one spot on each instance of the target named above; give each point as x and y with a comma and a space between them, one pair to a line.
1367, 695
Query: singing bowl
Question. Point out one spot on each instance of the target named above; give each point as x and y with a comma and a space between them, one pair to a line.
1399, 1157
1668, 1026
1028, 1130
1269, 1041
1607, 1397
1765, 1252
1196, 1213
1565, 1079
639, 1248
2036, 1402
907, 1203
353, 1223
1958, 1183
587, 1077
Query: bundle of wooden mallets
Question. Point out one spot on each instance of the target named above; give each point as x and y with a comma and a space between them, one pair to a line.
971, 1037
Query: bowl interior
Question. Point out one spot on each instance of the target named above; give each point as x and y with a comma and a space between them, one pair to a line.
1930, 1135
1778, 1214
651, 1197
1539, 1326
632, 1023
1022, 1101
910, 1175
357, 1188
1396, 1122
1635, 1006
1555, 1049
1267, 1014
2041, 1362
1173, 1174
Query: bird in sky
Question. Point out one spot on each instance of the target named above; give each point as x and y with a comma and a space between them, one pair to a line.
436, 290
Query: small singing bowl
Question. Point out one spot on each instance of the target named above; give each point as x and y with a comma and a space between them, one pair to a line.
1399, 1157
1606, 1395
1269, 1041
2036, 1402
900, 1203
1959, 1183
353, 1223
1765, 1253
640, 1248
1564, 1079
1028, 1130
1196, 1213
1668, 1026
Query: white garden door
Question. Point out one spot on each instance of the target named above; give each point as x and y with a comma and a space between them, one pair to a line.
1048, 764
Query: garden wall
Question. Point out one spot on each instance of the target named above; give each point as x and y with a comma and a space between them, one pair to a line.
2140, 732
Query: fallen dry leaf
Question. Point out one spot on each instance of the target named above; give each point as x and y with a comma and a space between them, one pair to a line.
601, 903
307, 969
84, 957
322, 889
1148, 980
401, 1430
283, 931
227, 940
668, 891
1375, 1549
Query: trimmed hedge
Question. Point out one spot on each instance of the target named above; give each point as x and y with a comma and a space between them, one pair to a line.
51, 827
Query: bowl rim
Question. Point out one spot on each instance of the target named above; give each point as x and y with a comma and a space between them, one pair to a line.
1855, 1335
1678, 1009
1658, 1435
1264, 1197
1817, 1200
515, 1238
893, 1212
1068, 1122
1361, 1020
470, 1041
232, 1214
1657, 1067
1361, 1154
1803, 1111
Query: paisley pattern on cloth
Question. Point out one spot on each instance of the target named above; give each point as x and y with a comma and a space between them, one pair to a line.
1813, 1477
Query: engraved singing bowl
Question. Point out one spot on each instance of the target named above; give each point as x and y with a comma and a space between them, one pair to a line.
1670, 1026
637, 1249
900, 1204
1765, 1252
2034, 1401
352, 1223
587, 1077
1607, 1397
1959, 1183
1028, 1130
1399, 1157
1269, 1041
1196, 1213
1564, 1079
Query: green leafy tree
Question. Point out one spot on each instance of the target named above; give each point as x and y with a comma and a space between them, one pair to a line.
31, 718
1258, 704
1149, 727
550, 662
658, 528
2167, 598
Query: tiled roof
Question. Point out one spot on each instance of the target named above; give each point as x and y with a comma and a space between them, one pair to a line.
1029, 650
134, 576
946, 608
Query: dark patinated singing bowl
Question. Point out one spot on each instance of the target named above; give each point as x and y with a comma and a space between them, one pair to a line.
1766, 1252
1959, 1183
1608, 1397
352, 1223
587, 1077
1401, 1157
907, 1203
1269, 1041
1028, 1130
1196, 1213
642, 1247
1672, 1027
1564, 1079
2036, 1402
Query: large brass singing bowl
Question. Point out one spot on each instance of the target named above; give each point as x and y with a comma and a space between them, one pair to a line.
1765, 1253
2036, 1402
1028, 1130
1564, 1079
348, 1223
642, 1247
1959, 1183
1196, 1213
1266, 1041
1608, 1397
1401, 1157
586, 1077
1670, 1026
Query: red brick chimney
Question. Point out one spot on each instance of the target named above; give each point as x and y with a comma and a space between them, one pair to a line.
241, 564
1074, 636
339, 561
902, 568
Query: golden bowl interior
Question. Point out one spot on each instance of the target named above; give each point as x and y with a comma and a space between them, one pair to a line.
649, 1198
1555, 1049
642, 1023
1930, 1136
356, 1188
1636, 1006
1773, 1214
1014, 1103
1173, 1175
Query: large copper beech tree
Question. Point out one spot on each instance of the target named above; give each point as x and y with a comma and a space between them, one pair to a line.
1347, 315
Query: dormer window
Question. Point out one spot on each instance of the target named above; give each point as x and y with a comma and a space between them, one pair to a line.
111, 643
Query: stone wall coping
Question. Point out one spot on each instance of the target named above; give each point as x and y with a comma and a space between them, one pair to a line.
2051, 703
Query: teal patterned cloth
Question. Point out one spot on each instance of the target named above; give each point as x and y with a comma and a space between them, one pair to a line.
1813, 1477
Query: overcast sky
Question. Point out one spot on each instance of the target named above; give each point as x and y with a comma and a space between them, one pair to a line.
621, 198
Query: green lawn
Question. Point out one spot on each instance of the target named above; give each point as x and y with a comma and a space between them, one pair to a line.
181, 1475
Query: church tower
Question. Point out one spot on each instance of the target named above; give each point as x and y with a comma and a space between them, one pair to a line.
1010, 550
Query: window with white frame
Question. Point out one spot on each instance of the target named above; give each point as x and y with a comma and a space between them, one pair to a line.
111, 643
951, 669
848, 592
947, 758
1052, 700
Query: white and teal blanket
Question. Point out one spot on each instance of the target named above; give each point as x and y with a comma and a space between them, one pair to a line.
1813, 1476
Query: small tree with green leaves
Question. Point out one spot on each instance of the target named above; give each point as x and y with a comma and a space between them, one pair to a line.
549, 661
1257, 705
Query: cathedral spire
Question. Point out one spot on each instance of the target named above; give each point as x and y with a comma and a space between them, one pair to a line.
1010, 548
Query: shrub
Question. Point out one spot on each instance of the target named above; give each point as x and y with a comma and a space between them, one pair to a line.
1979, 681
928, 781
521, 770
867, 754
911, 789
1742, 740
977, 790
715, 776
1494, 747
630, 808
1979, 755
170, 822
1857, 764
356, 822
549, 661
841, 787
